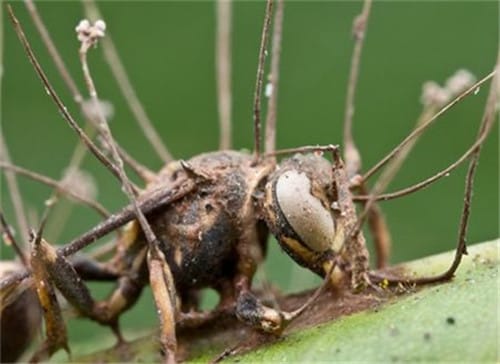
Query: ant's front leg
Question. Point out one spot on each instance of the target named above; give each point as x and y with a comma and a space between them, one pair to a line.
55, 329
165, 296
52, 269
91, 270
249, 309
190, 316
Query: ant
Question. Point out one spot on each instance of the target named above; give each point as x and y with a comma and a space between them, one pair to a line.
204, 222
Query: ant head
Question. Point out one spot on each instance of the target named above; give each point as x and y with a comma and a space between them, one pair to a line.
300, 210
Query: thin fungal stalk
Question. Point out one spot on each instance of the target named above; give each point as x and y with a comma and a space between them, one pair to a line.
351, 152
12, 185
259, 79
393, 166
428, 181
80, 150
15, 194
489, 118
160, 277
433, 97
55, 97
126, 88
57, 185
53, 52
88, 35
10, 240
376, 221
223, 71
391, 170
425, 125
272, 86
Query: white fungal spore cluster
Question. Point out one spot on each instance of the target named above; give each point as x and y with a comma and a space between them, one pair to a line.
88, 34
435, 95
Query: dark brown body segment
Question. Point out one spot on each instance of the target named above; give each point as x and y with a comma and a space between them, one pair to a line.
199, 234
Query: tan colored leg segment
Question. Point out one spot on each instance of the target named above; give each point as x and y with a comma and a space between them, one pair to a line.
51, 269
164, 293
55, 329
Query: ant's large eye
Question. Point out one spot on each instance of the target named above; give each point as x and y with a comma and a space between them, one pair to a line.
305, 213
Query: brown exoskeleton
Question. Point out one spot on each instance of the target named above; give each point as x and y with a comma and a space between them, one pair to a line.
204, 222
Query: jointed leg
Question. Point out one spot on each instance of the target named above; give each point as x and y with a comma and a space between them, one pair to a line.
91, 270
164, 293
55, 329
253, 312
51, 269
191, 317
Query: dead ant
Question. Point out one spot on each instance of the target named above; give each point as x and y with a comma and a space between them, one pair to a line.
204, 222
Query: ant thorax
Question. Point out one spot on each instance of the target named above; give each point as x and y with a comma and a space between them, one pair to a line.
200, 233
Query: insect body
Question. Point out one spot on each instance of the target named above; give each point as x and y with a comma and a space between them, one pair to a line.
209, 219
215, 235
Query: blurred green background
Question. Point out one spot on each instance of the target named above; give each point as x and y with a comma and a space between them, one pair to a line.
168, 50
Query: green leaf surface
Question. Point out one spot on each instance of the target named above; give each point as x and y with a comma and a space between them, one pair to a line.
455, 321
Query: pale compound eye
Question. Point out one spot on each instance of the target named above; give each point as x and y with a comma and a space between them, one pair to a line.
305, 213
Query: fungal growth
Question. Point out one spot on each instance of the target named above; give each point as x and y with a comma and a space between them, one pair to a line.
204, 222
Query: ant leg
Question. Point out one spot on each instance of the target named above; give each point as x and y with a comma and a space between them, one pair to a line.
250, 310
190, 300
89, 269
58, 271
165, 296
191, 317
55, 329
